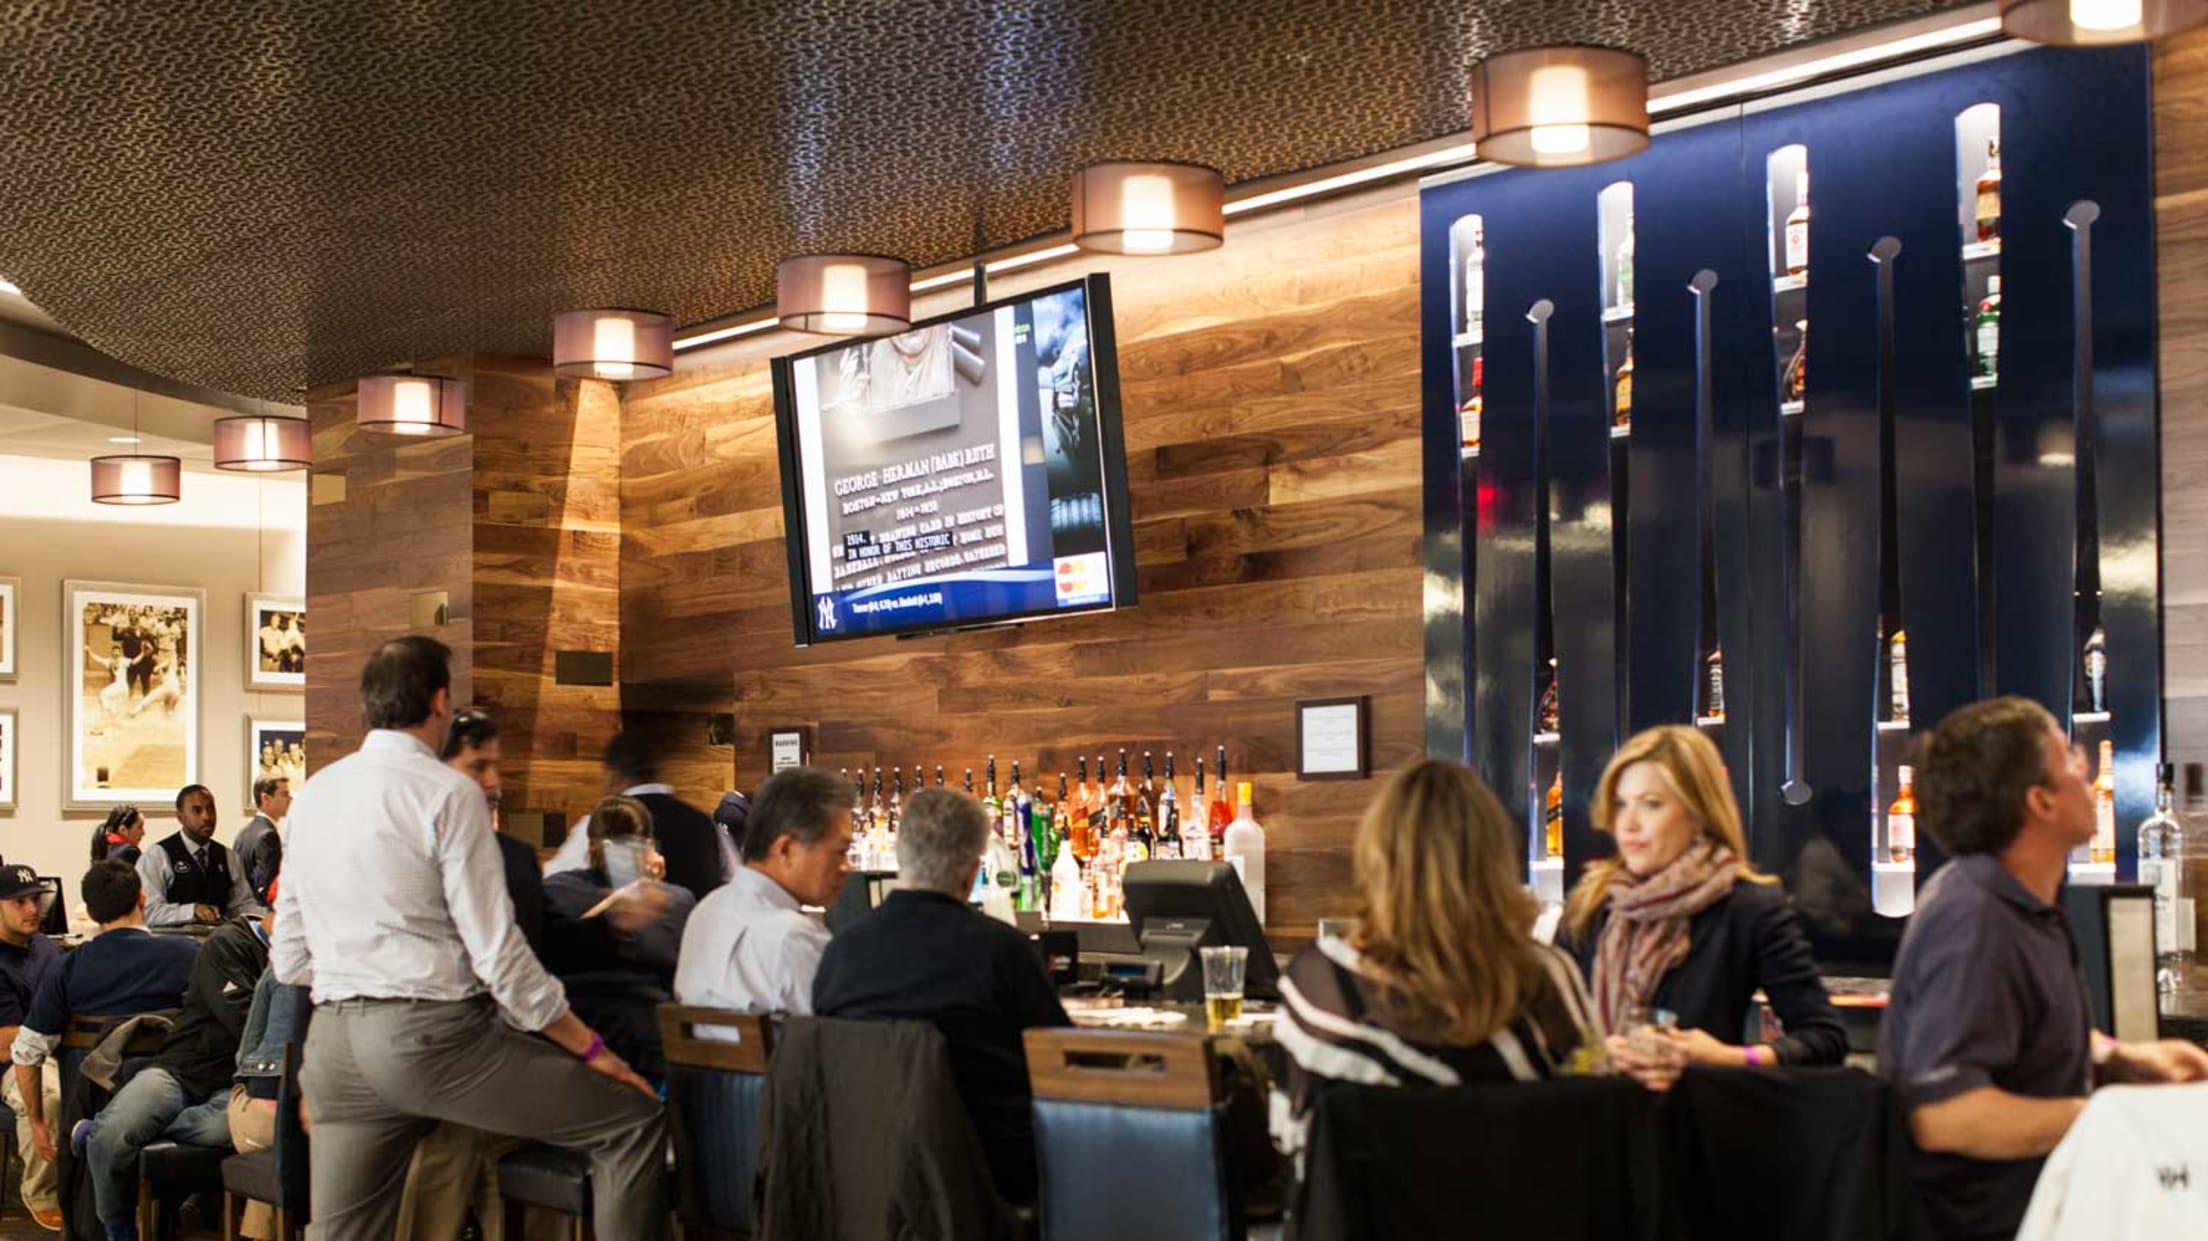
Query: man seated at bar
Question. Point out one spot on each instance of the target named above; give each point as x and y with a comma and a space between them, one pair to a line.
749, 947
472, 749
687, 837
1987, 1035
1442, 982
189, 878
25, 958
122, 971
1680, 921
925, 954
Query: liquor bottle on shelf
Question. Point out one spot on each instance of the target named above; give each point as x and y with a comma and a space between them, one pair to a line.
1121, 800
1079, 836
1245, 850
1897, 658
1901, 820
1797, 228
1146, 813
990, 802
1986, 329
1714, 704
856, 854
2162, 867
896, 797
1794, 382
939, 775
1625, 266
1468, 411
1020, 837
2096, 669
1166, 815
1550, 714
1220, 813
2192, 861
1622, 405
1475, 281
1552, 819
969, 782
1068, 895
1988, 209
1195, 839
2104, 807
877, 816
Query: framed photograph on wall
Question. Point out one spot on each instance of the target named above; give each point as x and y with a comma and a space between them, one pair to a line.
273, 748
275, 642
7, 760
11, 598
130, 706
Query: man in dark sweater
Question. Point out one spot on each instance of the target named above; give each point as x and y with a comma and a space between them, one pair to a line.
182, 1093
687, 838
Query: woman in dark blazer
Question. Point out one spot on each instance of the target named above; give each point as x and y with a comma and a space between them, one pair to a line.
1679, 920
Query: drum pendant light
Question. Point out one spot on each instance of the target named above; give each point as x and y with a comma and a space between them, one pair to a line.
263, 443
417, 405
1149, 208
1558, 107
613, 344
137, 478
844, 294
2085, 23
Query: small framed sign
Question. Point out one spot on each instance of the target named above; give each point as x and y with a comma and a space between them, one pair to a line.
788, 747
1334, 738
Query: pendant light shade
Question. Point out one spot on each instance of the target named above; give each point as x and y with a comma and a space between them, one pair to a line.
2090, 22
1554, 107
1149, 208
613, 344
844, 294
136, 478
420, 405
263, 444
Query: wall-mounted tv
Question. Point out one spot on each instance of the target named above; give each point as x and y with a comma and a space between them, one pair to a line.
966, 472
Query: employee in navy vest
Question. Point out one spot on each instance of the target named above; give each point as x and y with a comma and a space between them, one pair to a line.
188, 877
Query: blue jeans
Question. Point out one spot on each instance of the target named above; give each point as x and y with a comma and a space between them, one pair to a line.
152, 1107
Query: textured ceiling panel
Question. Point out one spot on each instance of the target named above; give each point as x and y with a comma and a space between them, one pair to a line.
254, 196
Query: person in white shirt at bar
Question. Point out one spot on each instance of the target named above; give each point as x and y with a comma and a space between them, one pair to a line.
748, 946
393, 909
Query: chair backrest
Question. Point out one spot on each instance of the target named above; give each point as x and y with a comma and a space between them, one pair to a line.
1145, 1106
714, 1087
84, 1033
55, 919
290, 1147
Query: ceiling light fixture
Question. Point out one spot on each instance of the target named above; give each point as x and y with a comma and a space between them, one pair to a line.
1149, 208
9, 287
263, 443
844, 294
1556, 107
417, 405
123, 439
136, 478
613, 344
2094, 22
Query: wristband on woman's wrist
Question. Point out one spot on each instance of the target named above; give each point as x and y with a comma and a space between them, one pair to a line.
1755, 1055
596, 1049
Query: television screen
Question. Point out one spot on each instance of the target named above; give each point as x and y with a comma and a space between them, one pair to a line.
965, 472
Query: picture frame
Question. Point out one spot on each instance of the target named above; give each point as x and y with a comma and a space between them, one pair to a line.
130, 711
1334, 738
288, 740
788, 746
11, 624
275, 642
7, 761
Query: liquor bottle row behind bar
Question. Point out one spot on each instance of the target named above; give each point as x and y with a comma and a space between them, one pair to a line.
1064, 855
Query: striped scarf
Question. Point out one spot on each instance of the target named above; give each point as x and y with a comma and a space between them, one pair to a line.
1647, 934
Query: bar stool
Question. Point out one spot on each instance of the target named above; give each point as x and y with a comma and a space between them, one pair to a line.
714, 1089
277, 1176
1146, 1106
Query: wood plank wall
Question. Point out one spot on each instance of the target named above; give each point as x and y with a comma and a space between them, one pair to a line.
402, 527
1271, 406
2181, 244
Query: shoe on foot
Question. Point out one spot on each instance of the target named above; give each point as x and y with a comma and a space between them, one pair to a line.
48, 1219
79, 1135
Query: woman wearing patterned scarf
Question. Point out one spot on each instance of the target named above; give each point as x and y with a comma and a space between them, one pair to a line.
1679, 920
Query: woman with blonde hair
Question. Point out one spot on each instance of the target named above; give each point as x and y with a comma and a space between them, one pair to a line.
1679, 920
1442, 981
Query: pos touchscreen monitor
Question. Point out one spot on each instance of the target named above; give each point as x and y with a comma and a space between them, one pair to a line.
1178, 906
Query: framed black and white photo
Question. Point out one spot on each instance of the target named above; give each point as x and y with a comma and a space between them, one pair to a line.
11, 594
7, 760
131, 703
275, 642
1333, 739
274, 748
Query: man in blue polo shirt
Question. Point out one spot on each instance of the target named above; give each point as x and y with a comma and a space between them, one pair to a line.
121, 971
1987, 1036
25, 957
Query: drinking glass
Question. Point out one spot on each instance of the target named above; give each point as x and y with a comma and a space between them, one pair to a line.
1223, 968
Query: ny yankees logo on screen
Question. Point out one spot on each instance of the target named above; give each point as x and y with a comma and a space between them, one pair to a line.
827, 614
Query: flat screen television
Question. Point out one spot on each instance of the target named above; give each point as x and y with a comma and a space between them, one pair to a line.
966, 472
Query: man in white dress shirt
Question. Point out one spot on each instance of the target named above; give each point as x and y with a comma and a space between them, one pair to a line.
748, 946
393, 908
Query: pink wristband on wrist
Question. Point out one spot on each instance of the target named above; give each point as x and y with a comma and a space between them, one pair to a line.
597, 1048
1755, 1055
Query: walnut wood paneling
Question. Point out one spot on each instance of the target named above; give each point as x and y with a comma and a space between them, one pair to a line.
2181, 243
1271, 407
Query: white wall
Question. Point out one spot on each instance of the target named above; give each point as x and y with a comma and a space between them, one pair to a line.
229, 535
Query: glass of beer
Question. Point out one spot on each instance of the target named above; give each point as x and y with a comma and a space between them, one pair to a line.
1223, 968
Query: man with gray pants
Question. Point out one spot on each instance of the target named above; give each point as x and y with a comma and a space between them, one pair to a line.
429, 1005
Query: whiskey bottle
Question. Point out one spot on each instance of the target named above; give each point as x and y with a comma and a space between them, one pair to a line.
939, 775
2096, 669
1986, 329
969, 782
1901, 820
1167, 815
2104, 807
1797, 228
2162, 868
1988, 209
1550, 715
1144, 828
1898, 665
1794, 383
1714, 703
1468, 413
1221, 813
1079, 836
1552, 819
1622, 404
